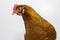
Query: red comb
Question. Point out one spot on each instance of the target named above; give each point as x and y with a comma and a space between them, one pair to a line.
15, 5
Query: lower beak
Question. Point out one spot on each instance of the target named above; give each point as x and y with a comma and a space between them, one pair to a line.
13, 13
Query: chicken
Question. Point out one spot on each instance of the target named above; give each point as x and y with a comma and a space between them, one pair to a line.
36, 27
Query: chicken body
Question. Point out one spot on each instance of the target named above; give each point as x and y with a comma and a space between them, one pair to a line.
37, 28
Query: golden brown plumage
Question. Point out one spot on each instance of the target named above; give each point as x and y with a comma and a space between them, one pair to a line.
37, 28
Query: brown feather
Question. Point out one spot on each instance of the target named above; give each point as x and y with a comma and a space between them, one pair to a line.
37, 28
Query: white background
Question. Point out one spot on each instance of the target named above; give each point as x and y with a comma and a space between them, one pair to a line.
12, 27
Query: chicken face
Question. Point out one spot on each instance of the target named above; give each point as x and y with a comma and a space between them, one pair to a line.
19, 10
22, 9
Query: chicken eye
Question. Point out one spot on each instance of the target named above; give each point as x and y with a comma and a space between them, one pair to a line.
18, 8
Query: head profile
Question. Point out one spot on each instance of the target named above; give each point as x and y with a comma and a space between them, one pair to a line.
20, 9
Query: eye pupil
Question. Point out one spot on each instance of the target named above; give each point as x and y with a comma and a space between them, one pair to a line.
18, 8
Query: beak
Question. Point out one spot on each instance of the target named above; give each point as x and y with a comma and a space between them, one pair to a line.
13, 13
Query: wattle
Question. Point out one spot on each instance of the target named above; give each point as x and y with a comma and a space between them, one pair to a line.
19, 13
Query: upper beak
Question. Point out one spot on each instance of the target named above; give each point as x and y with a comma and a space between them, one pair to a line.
13, 13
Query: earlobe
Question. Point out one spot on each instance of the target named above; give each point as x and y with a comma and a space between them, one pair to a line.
23, 10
